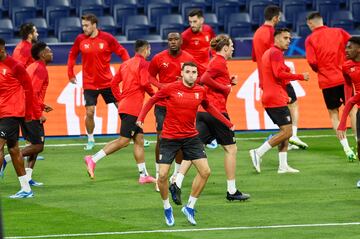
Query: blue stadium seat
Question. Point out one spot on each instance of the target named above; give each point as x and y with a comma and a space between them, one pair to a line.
173, 19
301, 28
41, 26
256, 10
90, 6
186, 7
49, 39
240, 3
342, 19
207, 3
58, 3
13, 41
6, 29
120, 11
354, 7
120, 38
165, 29
325, 7
67, 23
107, 24
269, 2
225, 8
211, 20
151, 37
4, 5
29, 4
135, 26
156, 10
124, 2
238, 25
291, 8
61, 8
21, 14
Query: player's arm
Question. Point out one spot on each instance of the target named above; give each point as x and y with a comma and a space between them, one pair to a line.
74, 52
153, 72
214, 112
348, 106
119, 50
281, 71
115, 89
161, 94
348, 87
144, 78
25, 81
207, 79
310, 55
40, 84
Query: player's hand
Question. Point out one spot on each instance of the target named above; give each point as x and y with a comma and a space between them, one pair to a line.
341, 134
234, 79
48, 108
306, 76
73, 80
42, 119
140, 124
232, 128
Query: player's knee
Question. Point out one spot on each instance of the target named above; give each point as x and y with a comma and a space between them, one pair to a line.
231, 149
39, 148
206, 173
162, 177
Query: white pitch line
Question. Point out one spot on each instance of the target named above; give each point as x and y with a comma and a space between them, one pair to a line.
189, 230
153, 142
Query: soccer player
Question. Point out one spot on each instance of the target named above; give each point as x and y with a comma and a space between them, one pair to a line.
196, 41
16, 104
133, 74
96, 48
325, 55
351, 71
263, 39
22, 51
166, 65
218, 84
33, 130
276, 75
179, 133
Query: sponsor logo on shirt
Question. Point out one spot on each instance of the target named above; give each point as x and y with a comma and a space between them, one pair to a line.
352, 69
165, 64
197, 96
4, 71
2, 134
180, 94
207, 38
101, 45
196, 42
86, 45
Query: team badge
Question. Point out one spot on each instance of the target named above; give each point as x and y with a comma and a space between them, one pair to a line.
288, 118
196, 42
207, 38
197, 96
101, 45
352, 69
4, 71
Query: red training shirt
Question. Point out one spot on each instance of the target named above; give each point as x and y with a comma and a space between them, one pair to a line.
276, 76
198, 44
134, 76
22, 53
40, 81
182, 105
14, 81
96, 55
263, 39
325, 53
167, 67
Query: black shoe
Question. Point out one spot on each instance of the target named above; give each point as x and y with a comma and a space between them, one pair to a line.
237, 196
175, 193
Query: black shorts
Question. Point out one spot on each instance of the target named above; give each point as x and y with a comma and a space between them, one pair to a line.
128, 126
33, 132
192, 149
9, 130
291, 93
92, 95
358, 124
334, 97
279, 115
211, 128
160, 112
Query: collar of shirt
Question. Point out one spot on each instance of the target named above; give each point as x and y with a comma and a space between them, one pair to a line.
320, 28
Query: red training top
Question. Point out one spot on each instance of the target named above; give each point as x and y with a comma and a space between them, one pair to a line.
182, 105
22, 53
276, 76
325, 54
134, 76
96, 55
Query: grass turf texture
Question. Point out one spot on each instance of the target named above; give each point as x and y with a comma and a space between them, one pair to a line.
70, 203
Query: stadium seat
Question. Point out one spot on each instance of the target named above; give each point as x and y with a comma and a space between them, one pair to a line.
121, 11
174, 19
120, 38
41, 25
325, 7
186, 7
256, 10
354, 7
151, 37
238, 25
156, 10
67, 23
49, 39
107, 24
13, 41
165, 29
211, 20
21, 14
242, 17
269, 2
6, 29
95, 7
240, 3
29, 4
225, 8
342, 19
4, 5
291, 8
135, 26
124, 2
40, 5
301, 28
55, 12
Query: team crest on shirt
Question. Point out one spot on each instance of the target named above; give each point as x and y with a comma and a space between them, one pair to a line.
4, 71
196, 42
165, 64
101, 45
197, 96
352, 69
207, 38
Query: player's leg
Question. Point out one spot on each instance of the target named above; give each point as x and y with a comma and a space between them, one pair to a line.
160, 112
283, 148
90, 104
